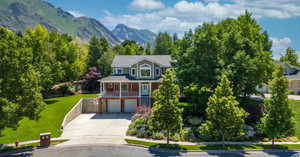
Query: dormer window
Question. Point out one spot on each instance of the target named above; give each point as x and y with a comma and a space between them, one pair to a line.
118, 71
145, 71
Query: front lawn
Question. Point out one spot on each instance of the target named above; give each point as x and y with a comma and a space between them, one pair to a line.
296, 108
49, 121
212, 147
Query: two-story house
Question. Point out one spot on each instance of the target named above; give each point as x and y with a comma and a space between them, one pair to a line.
132, 82
293, 75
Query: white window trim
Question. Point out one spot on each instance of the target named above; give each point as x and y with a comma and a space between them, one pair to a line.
132, 70
145, 68
159, 72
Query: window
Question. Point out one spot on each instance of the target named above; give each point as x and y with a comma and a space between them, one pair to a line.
157, 71
124, 87
133, 71
110, 85
118, 71
145, 70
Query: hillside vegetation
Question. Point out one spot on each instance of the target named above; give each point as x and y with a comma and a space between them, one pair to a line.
17, 15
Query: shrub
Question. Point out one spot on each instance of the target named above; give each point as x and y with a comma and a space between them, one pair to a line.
141, 112
158, 136
254, 107
198, 97
175, 137
131, 131
142, 132
195, 121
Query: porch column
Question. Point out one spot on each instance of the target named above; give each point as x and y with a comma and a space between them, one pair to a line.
150, 93
120, 89
103, 88
140, 89
100, 87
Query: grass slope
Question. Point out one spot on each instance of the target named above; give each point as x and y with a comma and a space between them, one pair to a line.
50, 120
296, 108
212, 147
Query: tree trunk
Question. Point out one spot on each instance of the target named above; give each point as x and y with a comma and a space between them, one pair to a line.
273, 141
168, 136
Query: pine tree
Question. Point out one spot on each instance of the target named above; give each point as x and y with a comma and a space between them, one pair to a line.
225, 119
279, 120
166, 115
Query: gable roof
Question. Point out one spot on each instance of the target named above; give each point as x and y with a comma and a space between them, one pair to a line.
287, 65
129, 60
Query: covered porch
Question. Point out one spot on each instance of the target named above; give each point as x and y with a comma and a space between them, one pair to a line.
128, 89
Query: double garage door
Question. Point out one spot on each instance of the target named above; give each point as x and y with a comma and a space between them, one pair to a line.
114, 106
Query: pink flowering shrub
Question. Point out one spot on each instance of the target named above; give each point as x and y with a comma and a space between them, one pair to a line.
141, 112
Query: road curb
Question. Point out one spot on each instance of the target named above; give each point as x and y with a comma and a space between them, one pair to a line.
214, 151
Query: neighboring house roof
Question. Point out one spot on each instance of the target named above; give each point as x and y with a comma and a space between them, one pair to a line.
287, 65
129, 60
294, 77
125, 78
293, 74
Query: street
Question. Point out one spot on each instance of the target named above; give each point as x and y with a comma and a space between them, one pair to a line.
130, 151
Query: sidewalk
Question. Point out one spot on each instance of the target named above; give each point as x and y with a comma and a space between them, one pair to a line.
29, 142
206, 143
294, 97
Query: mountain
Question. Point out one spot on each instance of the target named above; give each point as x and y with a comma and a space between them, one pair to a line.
18, 15
142, 36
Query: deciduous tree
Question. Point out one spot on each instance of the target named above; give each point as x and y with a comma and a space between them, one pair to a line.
290, 57
20, 91
166, 115
278, 120
225, 119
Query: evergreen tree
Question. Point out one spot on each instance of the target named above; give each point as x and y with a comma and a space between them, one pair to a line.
279, 119
148, 49
163, 44
97, 47
290, 57
166, 115
225, 120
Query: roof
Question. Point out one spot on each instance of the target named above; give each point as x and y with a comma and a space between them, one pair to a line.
125, 78
294, 77
287, 65
129, 60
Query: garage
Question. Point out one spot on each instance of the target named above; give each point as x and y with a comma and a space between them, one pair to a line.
114, 106
130, 105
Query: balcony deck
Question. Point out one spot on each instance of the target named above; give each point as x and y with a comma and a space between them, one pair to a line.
123, 94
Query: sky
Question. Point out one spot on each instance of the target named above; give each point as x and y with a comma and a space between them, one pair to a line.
280, 18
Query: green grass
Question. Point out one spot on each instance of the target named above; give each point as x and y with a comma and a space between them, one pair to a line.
29, 146
296, 108
50, 120
212, 147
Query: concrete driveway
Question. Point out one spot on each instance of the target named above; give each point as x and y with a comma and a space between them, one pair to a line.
89, 129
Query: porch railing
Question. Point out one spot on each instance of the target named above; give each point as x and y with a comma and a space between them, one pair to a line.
117, 93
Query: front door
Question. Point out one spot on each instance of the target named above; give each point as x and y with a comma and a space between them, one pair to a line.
145, 89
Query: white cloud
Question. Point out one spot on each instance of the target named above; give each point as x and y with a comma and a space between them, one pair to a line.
76, 13
146, 5
185, 15
280, 45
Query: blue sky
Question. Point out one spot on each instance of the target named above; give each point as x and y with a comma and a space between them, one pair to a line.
280, 18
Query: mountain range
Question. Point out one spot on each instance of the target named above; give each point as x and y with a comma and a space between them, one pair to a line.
141, 36
17, 15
